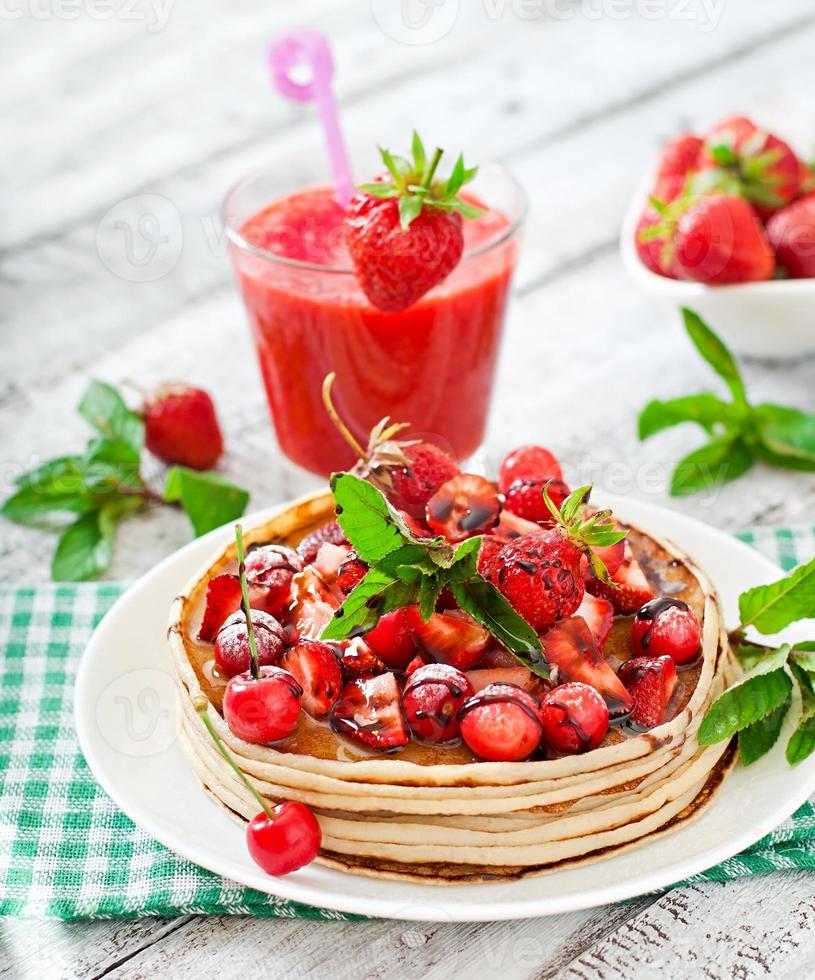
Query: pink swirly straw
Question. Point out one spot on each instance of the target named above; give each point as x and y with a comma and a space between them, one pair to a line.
309, 48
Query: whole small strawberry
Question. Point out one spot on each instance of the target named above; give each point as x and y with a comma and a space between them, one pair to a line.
181, 426
792, 235
678, 158
404, 231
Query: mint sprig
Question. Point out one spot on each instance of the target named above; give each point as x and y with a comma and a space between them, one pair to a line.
406, 570
739, 433
414, 184
757, 706
101, 486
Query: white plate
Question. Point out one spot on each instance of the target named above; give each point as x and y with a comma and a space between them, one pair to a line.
126, 722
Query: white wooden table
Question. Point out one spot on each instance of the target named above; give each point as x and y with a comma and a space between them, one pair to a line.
106, 107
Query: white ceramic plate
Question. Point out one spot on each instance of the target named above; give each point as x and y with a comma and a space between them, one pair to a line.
126, 721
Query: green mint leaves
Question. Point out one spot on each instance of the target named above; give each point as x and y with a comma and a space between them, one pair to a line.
101, 486
413, 184
738, 433
777, 679
406, 570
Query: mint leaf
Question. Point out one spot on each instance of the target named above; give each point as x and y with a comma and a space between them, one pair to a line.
802, 741
757, 739
765, 688
724, 458
714, 351
208, 499
106, 411
704, 409
58, 485
803, 655
377, 594
786, 436
84, 550
481, 600
430, 588
770, 608
112, 464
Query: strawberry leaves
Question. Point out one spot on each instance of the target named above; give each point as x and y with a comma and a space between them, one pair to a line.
739, 433
407, 570
757, 706
104, 484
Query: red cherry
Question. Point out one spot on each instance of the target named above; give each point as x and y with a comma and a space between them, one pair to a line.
574, 718
501, 723
263, 709
392, 640
232, 642
288, 842
431, 701
528, 463
666, 627
269, 571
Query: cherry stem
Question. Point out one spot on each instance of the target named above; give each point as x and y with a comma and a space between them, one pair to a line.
333, 414
201, 704
431, 170
254, 662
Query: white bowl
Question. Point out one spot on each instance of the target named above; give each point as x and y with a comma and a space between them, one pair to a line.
773, 319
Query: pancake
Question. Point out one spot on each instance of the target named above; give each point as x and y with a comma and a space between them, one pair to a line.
437, 814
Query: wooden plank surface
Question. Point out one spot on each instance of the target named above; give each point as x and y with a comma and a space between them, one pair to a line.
574, 97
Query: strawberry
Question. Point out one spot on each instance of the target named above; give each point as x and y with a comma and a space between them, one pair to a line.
571, 648
791, 232
463, 506
310, 544
677, 159
719, 240
350, 573
651, 682
517, 675
510, 526
628, 589
313, 605
599, 616
392, 639
315, 668
451, 638
739, 158
528, 463
404, 234
358, 660
180, 426
223, 598
488, 553
369, 711
269, 573
525, 499
417, 662
501, 723
653, 240
426, 468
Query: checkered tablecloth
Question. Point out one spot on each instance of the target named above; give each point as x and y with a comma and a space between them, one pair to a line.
67, 852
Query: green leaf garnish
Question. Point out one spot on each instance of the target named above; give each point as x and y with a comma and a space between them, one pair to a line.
704, 409
722, 459
757, 739
802, 741
208, 499
85, 549
770, 608
107, 412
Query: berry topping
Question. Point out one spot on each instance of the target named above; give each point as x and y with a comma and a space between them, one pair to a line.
313, 604
629, 589
404, 232
350, 573
517, 676
358, 660
287, 840
232, 652
449, 638
369, 711
677, 160
223, 598
269, 573
180, 426
501, 723
315, 667
666, 627
415, 664
510, 526
570, 647
528, 463
525, 498
574, 718
262, 709
464, 506
599, 616
392, 639
310, 545
792, 234
488, 553
651, 681
426, 468
431, 701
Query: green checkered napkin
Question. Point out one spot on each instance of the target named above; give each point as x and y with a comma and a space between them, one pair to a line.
67, 852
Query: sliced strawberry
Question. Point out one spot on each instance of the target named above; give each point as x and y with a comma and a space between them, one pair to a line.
358, 660
313, 606
497, 656
599, 615
315, 668
451, 638
392, 639
510, 526
310, 545
369, 711
570, 646
329, 560
520, 676
651, 682
464, 506
417, 662
632, 589
350, 573
223, 598
269, 573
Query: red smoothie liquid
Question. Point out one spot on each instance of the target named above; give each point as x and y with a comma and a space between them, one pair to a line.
431, 365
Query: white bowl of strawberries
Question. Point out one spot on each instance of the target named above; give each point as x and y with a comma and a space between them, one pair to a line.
726, 225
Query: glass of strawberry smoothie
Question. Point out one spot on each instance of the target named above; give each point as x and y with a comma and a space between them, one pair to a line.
431, 365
